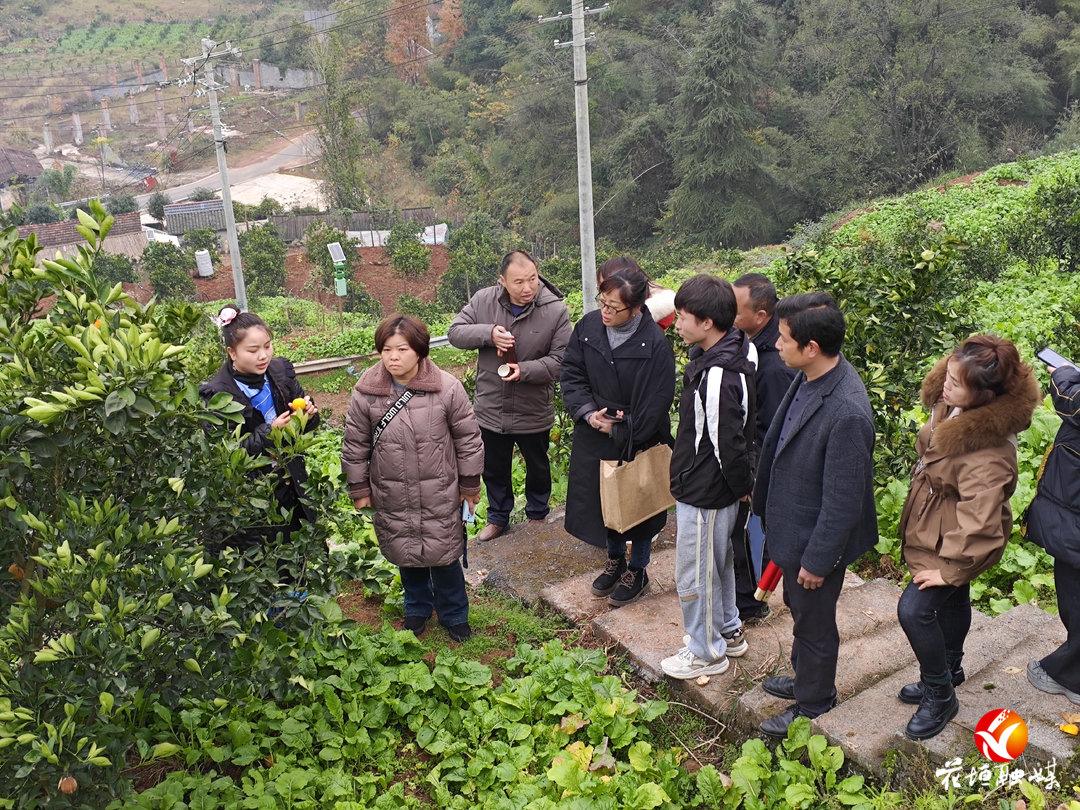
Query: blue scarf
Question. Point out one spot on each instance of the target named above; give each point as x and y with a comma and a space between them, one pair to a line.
262, 399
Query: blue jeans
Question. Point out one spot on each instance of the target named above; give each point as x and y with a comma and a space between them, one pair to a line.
936, 621
441, 588
705, 577
640, 550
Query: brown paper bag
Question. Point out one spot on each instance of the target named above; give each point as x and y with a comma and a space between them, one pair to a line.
631, 492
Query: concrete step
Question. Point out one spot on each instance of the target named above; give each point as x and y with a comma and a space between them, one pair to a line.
652, 629
1002, 684
574, 599
868, 743
872, 646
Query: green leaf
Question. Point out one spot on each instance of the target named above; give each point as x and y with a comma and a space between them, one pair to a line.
648, 796
640, 756
801, 796
164, 750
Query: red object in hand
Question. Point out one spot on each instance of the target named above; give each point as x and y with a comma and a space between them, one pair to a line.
770, 578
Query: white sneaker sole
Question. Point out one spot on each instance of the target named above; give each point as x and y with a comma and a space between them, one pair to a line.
718, 667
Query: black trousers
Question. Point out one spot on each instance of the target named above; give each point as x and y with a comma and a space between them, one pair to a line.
936, 621
498, 464
817, 639
745, 579
1063, 664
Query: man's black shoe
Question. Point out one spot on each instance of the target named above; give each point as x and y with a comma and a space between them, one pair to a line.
778, 726
759, 616
912, 693
782, 686
614, 568
939, 706
631, 586
418, 624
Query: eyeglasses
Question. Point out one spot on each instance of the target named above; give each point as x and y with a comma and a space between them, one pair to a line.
608, 308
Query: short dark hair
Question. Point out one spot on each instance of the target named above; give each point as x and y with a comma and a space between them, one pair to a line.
517, 257
988, 366
705, 296
413, 329
814, 316
762, 291
632, 287
242, 323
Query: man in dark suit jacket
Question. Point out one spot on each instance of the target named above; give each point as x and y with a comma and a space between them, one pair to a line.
815, 493
755, 297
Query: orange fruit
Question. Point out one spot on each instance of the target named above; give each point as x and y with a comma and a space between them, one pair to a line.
68, 785
16, 571
97, 323
298, 404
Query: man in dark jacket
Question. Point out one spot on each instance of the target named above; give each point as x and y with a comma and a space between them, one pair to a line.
521, 328
815, 493
755, 296
1053, 522
711, 471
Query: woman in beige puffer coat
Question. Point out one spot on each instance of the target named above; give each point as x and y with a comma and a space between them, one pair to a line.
424, 464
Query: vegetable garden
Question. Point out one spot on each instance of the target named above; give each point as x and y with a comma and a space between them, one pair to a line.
131, 643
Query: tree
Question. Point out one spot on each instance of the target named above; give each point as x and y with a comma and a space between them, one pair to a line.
263, 255
41, 213
121, 204
202, 194
114, 268
923, 87
57, 185
407, 38
411, 257
341, 166
203, 239
169, 269
155, 205
474, 262
724, 196
115, 481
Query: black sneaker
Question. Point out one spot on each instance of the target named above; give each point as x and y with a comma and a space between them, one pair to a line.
614, 568
460, 632
418, 624
632, 585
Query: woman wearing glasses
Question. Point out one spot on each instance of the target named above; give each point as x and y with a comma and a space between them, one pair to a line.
618, 383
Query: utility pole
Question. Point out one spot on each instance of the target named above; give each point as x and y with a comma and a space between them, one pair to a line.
578, 12
211, 88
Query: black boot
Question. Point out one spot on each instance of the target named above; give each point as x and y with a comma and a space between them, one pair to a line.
912, 693
939, 705
614, 568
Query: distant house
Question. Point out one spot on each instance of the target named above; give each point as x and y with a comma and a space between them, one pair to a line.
17, 170
18, 167
187, 216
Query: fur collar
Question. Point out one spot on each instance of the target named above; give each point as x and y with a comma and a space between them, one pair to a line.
988, 426
378, 382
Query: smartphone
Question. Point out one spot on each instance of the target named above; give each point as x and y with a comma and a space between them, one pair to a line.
613, 415
1053, 359
467, 514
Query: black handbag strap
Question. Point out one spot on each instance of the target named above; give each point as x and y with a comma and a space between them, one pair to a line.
395, 409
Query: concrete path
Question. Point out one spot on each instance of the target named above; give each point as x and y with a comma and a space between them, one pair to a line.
540, 563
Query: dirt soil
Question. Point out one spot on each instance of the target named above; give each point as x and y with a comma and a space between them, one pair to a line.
377, 275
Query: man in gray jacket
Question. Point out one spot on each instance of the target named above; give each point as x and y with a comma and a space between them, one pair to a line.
521, 328
815, 492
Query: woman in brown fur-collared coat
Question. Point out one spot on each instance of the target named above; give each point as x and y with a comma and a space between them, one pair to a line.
416, 471
957, 520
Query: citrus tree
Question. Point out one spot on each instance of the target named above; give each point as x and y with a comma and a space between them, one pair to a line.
116, 485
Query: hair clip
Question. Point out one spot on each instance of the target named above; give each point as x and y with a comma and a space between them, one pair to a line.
225, 317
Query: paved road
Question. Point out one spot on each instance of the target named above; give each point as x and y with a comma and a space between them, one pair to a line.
298, 151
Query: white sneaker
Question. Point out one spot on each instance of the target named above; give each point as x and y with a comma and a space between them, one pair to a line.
684, 665
736, 644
